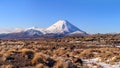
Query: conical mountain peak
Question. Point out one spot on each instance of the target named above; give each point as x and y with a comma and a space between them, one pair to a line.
63, 26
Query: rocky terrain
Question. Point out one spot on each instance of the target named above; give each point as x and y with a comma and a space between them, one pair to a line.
95, 51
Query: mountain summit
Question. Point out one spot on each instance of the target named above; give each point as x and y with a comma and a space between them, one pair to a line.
63, 27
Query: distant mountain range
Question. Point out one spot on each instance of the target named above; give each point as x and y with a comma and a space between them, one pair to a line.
60, 29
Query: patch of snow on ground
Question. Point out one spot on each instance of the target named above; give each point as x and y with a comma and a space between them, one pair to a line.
118, 46
104, 65
116, 65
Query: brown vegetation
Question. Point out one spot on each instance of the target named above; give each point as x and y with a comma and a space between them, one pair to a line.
68, 52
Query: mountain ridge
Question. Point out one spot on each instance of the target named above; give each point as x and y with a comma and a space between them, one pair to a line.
59, 29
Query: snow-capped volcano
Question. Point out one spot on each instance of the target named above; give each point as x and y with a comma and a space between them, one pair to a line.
60, 29
63, 27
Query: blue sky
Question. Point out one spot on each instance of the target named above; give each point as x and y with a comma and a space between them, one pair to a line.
92, 16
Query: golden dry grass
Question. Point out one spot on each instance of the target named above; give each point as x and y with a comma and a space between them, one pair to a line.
39, 58
40, 53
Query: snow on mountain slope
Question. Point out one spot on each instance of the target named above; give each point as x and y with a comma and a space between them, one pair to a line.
76, 32
42, 30
32, 32
63, 27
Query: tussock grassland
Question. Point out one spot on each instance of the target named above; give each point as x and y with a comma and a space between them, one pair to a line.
68, 52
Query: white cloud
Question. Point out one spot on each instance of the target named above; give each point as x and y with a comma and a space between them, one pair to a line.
4, 30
